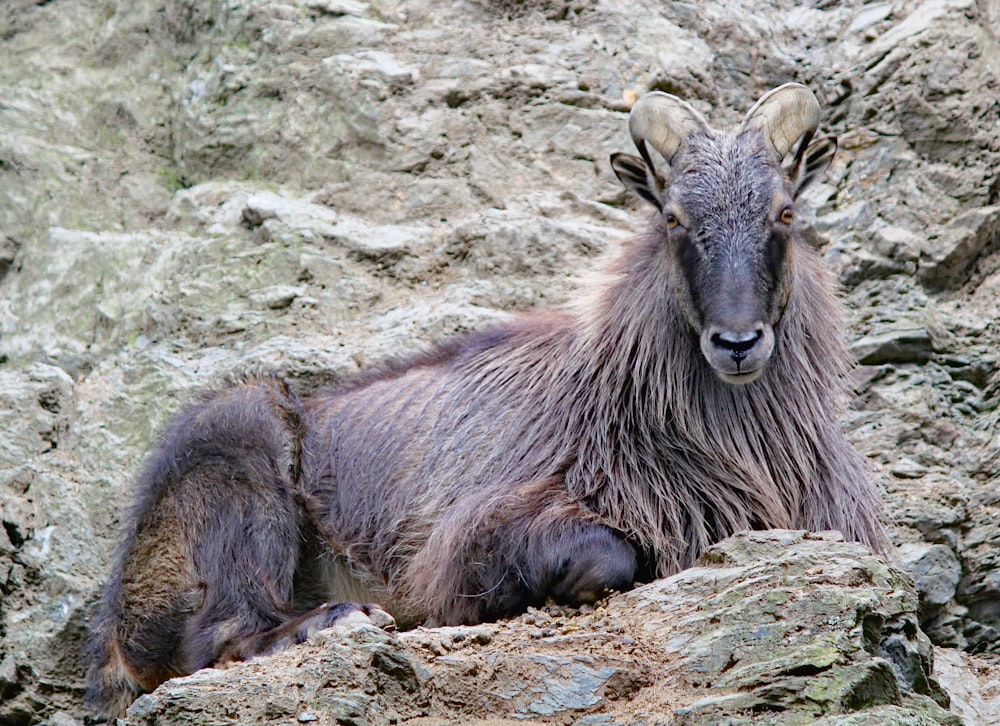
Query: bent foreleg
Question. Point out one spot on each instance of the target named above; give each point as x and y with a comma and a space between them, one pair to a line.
495, 559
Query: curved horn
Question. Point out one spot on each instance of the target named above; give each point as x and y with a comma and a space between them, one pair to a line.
783, 116
664, 121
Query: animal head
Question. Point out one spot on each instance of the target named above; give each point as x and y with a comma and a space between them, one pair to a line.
727, 213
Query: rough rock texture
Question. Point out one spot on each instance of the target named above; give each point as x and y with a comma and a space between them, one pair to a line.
188, 189
773, 627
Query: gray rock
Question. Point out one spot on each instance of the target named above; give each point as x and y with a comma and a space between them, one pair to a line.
951, 668
896, 243
190, 189
900, 345
946, 258
805, 626
935, 571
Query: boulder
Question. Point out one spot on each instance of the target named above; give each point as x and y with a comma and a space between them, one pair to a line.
770, 627
189, 190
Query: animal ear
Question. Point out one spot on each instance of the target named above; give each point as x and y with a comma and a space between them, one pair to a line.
639, 177
811, 160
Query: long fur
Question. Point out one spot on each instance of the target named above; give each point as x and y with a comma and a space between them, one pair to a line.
560, 455
614, 416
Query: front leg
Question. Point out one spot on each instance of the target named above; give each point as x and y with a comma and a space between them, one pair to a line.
300, 629
494, 560
579, 563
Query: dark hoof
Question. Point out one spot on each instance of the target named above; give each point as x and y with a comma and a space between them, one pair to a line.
590, 564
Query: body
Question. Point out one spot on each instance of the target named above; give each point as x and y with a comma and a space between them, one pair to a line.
547, 409
693, 393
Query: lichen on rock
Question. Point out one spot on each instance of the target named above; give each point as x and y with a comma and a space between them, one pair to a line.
770, 627
190, 189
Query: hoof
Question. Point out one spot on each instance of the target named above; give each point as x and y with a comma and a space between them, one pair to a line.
336, 614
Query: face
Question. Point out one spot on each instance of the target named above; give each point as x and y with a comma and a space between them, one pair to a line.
726, 214
727, 218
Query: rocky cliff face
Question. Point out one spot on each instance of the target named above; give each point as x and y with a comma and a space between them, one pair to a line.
188, 189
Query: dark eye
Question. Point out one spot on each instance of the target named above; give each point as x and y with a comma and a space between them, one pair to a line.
787, 215
671, 221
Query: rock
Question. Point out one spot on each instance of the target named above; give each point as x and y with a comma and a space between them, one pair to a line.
301, 216
8, 250
805, 626
901, 345
946, 258
312, 186
973, 704
897, 243
935, 571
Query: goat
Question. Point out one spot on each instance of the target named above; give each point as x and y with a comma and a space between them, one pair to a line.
563, 455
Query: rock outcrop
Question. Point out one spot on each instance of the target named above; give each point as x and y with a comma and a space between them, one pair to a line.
773, 627
190, 189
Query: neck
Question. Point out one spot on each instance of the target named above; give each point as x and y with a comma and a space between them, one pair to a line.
714, 457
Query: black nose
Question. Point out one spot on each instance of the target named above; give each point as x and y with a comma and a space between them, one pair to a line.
737, 344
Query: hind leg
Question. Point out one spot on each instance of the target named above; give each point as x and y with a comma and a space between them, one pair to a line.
211, 548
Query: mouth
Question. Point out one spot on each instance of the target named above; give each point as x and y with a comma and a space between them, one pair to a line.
741, 378
738, 356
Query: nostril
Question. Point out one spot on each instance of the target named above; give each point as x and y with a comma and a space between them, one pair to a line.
737, 343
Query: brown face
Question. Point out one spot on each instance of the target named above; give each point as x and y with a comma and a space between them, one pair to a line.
728, 219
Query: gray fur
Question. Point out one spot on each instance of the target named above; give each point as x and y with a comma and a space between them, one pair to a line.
561, 455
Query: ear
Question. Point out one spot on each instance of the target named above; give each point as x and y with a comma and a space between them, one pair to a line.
638, 177
810, 162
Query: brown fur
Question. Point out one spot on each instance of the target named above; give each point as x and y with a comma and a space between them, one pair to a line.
561, 455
